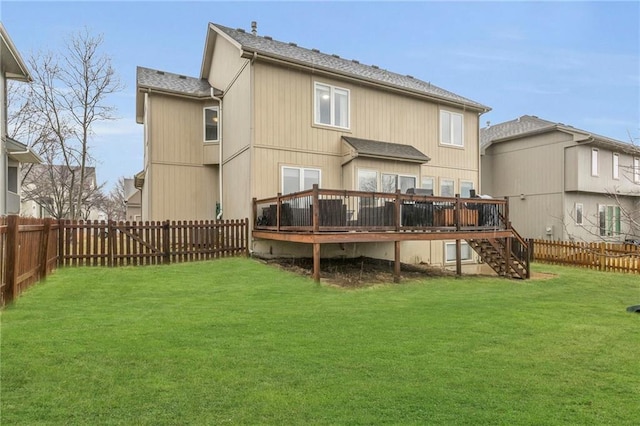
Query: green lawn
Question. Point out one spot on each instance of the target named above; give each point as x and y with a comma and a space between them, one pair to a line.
239, 342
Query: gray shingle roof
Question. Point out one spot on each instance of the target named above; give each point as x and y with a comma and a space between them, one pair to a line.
524, 124
531, 123
312, 57
370, 148
170, 82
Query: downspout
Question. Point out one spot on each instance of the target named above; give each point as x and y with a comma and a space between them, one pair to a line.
215, 98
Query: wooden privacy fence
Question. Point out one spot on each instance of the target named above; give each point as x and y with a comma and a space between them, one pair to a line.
100, 243
28, 252
602, 256
32, 248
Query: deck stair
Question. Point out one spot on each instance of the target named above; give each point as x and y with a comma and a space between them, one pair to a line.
493, 251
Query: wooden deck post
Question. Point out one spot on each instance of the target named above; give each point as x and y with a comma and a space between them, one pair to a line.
316, 262
396, 262
397, 212
457, 214
278, 210
316, 210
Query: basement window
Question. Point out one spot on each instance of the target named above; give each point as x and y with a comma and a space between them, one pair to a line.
450, 251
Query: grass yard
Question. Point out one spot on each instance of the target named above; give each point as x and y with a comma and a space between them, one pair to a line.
235, 341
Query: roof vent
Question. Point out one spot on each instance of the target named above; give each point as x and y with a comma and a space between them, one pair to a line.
409, 76
240, 30
375, 67
315, 50
184, 77
488, 124
160, 72
254, 27
355, 61
268, 37
293, 44
335, 56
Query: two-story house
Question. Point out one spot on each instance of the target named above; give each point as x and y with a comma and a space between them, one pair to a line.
267, 117
563, 183
12, 152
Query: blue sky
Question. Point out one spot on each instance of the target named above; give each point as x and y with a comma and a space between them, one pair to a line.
572, 62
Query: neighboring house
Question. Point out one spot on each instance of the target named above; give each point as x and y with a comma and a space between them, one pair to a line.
563, 183
46, 193
267, 117
12, 152
132, 200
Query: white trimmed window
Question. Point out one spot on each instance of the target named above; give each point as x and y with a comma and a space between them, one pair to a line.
393, 182
295, 179
450, 251
428, 184
331, 105
465, 189
211, 124
451, 128
447, 188
636, 170
594, 162
616, 166
609, 220
579, 214
367, 180
12, 179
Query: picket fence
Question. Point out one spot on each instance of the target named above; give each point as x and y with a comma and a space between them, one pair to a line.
32, 248
603, 256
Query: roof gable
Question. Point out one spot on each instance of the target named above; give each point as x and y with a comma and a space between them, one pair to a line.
12, 64
313, 58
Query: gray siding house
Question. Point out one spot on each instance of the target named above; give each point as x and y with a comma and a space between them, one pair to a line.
563, 183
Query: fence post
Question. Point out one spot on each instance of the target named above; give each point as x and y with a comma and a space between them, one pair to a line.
110, 239
44, 248
603, 258
166, 244
61, 244
10, 291
246, 237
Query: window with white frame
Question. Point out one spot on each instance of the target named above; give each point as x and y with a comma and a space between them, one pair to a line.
636, 170
447, 188
451, 128
393, 182
465, 189
211, 124
616, 166
450, 251
12, 179
609, 220
579, 213
594, 162
331, 105
295, 179
428, 184
367, 180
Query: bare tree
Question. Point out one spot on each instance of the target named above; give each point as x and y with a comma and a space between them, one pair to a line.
114, 204
66, 99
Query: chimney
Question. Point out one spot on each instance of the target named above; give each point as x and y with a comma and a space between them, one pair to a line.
254, 28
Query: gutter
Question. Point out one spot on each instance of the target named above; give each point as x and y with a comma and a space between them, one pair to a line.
215, 98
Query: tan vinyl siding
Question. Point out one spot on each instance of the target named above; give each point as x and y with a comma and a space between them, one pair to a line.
237, 199
236, 112
578, 171
225, 63
284, 121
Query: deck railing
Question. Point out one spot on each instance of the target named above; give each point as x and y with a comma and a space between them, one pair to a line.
329, 210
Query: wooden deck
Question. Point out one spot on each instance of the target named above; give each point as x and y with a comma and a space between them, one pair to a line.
359, 217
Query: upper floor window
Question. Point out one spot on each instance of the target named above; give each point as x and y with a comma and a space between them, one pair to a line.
331, 106
594, 162
211, 124
451, 128
296, 179
636, 170
393, 182
616, 166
